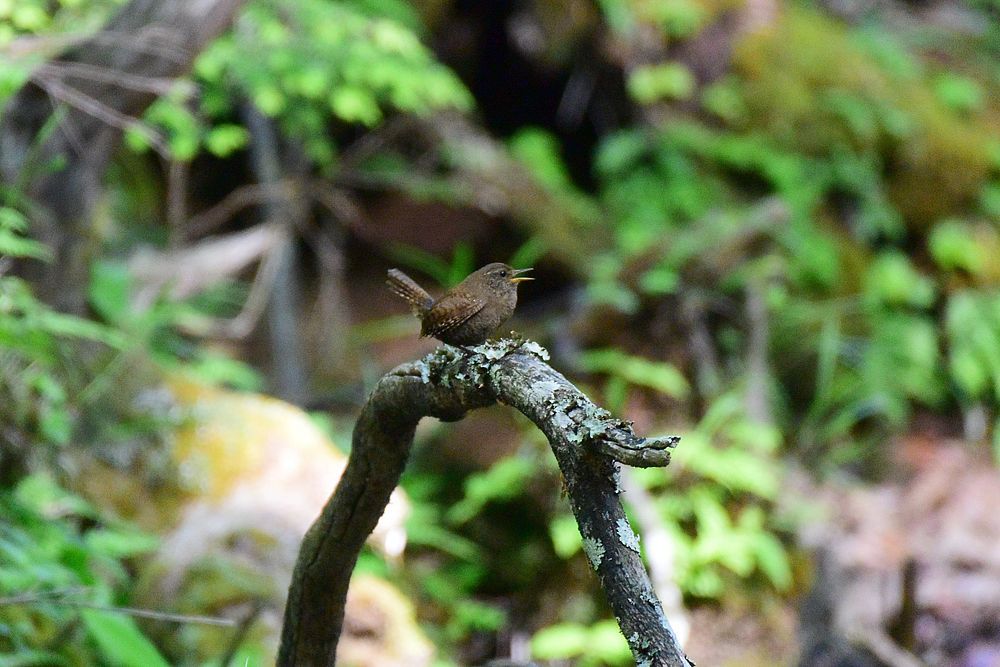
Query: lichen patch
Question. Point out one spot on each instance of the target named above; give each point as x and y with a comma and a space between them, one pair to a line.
626, 535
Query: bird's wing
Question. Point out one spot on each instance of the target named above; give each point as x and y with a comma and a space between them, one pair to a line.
448, 312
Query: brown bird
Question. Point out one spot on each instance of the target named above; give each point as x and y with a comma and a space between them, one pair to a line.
470, 311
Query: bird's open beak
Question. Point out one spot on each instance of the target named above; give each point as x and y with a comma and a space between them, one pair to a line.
517, 273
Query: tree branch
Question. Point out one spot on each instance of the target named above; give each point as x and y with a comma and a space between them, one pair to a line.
586, 440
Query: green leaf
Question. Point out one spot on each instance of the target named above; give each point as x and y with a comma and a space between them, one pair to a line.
42, 495
953, 247
772, 559
421, 531
706, 583
223, 140
76, 327
33, 658
651, 83
13, 245
109, 290
723, 99
392, 37
958, 92
220, 369
55, 423
996, 442
660, 376
565, 535
477, 616
137, 140
269, 100
620, 152
540, 152
13, 225
355, 105
618, 14
560, 642
989, 200
13, 220
968, 373
892, 280
120, 640
659, 280
29, 17
972, 322
503, 481
608, 644
120, 543
613, 294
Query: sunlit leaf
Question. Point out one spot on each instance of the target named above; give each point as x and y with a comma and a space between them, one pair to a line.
560, 642
223, 140
650, 83
639, 371
120, 640
565, 535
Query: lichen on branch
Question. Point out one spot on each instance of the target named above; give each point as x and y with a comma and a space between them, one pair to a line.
587, 441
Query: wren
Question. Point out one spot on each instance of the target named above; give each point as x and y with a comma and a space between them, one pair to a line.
470, 311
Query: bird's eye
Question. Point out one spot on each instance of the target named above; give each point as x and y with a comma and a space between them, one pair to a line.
503, 273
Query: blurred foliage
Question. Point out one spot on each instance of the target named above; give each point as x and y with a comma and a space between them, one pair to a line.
60, 564
26, 19
728, 461
598, 644
718, 508
39, 379
625, 370
157, 330
453, 586
304, 64
845, 174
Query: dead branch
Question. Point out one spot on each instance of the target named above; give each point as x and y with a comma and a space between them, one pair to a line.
588, 444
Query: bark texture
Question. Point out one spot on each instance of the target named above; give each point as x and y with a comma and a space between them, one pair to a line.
588, 444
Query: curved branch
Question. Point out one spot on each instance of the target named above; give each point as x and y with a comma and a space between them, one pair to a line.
586, 440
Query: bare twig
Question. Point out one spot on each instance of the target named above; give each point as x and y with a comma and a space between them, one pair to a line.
59, 597
177, 182
757, 399
187, 271
100, 111
253, 308
58, 69
242, 197
29, 45
282, 311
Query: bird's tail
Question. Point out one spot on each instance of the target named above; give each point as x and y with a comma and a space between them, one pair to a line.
405, 287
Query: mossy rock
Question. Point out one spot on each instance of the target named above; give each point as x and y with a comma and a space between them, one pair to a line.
819, 87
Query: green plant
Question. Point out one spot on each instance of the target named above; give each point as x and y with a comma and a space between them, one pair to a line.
307, 65
728, 473
626, 370
587, 645
972, 324
714, 500
156, 330
446, 274
38, 377
61, 573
